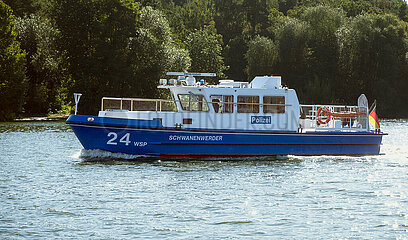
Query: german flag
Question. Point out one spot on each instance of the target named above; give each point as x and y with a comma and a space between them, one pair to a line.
373, 119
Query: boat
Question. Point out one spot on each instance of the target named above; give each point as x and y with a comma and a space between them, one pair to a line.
230, 119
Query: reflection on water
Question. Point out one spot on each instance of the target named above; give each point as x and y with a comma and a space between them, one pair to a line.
50, 188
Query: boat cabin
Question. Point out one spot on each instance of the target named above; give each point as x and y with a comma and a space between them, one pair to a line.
260, 105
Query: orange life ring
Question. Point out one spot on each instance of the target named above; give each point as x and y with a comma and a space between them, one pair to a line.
319, 111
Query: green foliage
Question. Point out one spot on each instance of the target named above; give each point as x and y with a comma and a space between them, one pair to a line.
21, 7
116, 49
95, 38
275, 19
197, 13
354, 8
12, 61
185, 17
373, 54
205, 51
262, 56
322, 43
45, 69
234, 55
286, 5
328, 50
152, 52
230, 20
292, 38
308, 51
238, 21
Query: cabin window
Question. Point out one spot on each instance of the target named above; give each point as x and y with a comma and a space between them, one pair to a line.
223, 103
193, 102
274, 104
248, 104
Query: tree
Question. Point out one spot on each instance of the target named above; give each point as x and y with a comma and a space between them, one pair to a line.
238, 21
205, 47
46, 74
292, 37
95, 35
262, 56
373, 58
114, 48
187, 16
285, 5
197, 13
21, 7
152, 52
12, 62
322, 60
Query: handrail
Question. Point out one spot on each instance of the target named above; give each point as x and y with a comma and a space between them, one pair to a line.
160, 101
346, 116
132, 100
326, 105
138, 99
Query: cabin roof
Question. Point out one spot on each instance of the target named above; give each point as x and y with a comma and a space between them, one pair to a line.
259, 82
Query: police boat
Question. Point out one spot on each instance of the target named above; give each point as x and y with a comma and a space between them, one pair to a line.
231, 119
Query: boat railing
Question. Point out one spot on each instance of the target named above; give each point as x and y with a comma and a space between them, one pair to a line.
334, 116
138, 104
162, 105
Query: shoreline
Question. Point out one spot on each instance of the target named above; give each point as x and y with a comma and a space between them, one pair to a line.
42, 119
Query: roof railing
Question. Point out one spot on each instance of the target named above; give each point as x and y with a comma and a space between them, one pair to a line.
191, 74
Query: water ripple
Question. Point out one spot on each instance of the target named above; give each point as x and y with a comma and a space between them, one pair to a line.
50, 188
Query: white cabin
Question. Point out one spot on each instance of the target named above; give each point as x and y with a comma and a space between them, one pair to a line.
260, 105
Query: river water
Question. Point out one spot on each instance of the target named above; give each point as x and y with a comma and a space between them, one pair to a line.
51, 189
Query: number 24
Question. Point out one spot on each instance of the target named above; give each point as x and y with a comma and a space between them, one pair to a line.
114, 136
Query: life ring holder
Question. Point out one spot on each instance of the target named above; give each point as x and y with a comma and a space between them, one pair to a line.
319, 111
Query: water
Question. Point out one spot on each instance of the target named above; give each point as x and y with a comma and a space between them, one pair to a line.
50, 189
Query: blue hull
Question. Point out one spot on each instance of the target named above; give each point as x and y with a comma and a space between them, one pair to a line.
149, 137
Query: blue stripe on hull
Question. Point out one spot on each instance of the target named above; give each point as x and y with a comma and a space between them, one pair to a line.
176, 143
